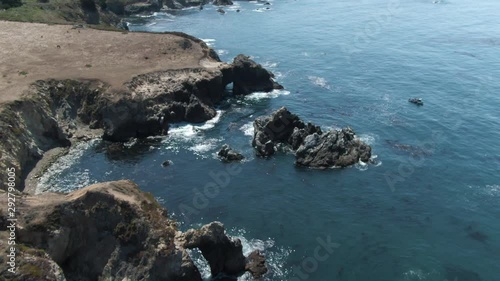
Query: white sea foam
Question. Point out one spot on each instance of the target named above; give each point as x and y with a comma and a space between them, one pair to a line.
210, 42
201, 263
234, 7
275, 256
319, 81
51, 180
279, 75
417, 274
263, 95
362, 166
204, 146
269, 64
369, 139
194, 137
492, 190
222, 52
248, 129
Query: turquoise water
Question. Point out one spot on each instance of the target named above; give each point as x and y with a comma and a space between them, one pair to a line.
428, 210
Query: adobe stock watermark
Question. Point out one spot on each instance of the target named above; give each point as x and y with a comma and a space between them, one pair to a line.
407, 168
221, 179
373, 28
309, 265
202, 196
11, 219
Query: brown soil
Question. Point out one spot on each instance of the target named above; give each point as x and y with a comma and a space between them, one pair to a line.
32, 51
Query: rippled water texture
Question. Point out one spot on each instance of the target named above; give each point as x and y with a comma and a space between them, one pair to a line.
428, 211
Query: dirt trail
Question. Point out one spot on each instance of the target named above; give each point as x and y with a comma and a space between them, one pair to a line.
32, 51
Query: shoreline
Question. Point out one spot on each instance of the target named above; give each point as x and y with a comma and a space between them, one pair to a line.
58, 100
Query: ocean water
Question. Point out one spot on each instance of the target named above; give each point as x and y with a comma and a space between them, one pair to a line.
428, 210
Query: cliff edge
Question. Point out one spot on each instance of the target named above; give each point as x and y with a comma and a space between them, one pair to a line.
110, 231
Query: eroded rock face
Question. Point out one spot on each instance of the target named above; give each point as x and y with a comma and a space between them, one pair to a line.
108, 231
332, 149
114, 231
280, 127
56, 112
227, 154
312, 147
249, 77
224, 254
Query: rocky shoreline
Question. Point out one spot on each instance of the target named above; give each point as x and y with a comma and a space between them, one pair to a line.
114, 231
56, 113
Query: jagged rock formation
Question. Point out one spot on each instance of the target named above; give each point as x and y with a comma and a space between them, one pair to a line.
112, 231
56, 112
312, 147
249, 77
227, 154
223, 254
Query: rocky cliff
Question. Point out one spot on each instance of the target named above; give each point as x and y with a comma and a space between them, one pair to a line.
112, 231
176, 78
115, 86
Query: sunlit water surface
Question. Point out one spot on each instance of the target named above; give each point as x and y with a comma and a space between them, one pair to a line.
429, 210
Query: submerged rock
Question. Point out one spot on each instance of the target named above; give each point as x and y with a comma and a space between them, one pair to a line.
227, 154
458, 273
167, 163
221, 11
417, 101
312, 147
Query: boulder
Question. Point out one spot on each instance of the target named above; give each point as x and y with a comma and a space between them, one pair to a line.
221, 11
256, 264
312, 147
227, 154
249, 77
166, 163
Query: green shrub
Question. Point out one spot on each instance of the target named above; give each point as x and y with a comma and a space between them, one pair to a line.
7, 4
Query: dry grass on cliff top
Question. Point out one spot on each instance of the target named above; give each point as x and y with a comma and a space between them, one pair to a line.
33, 51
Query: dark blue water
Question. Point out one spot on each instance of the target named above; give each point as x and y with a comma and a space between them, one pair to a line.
429, 210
